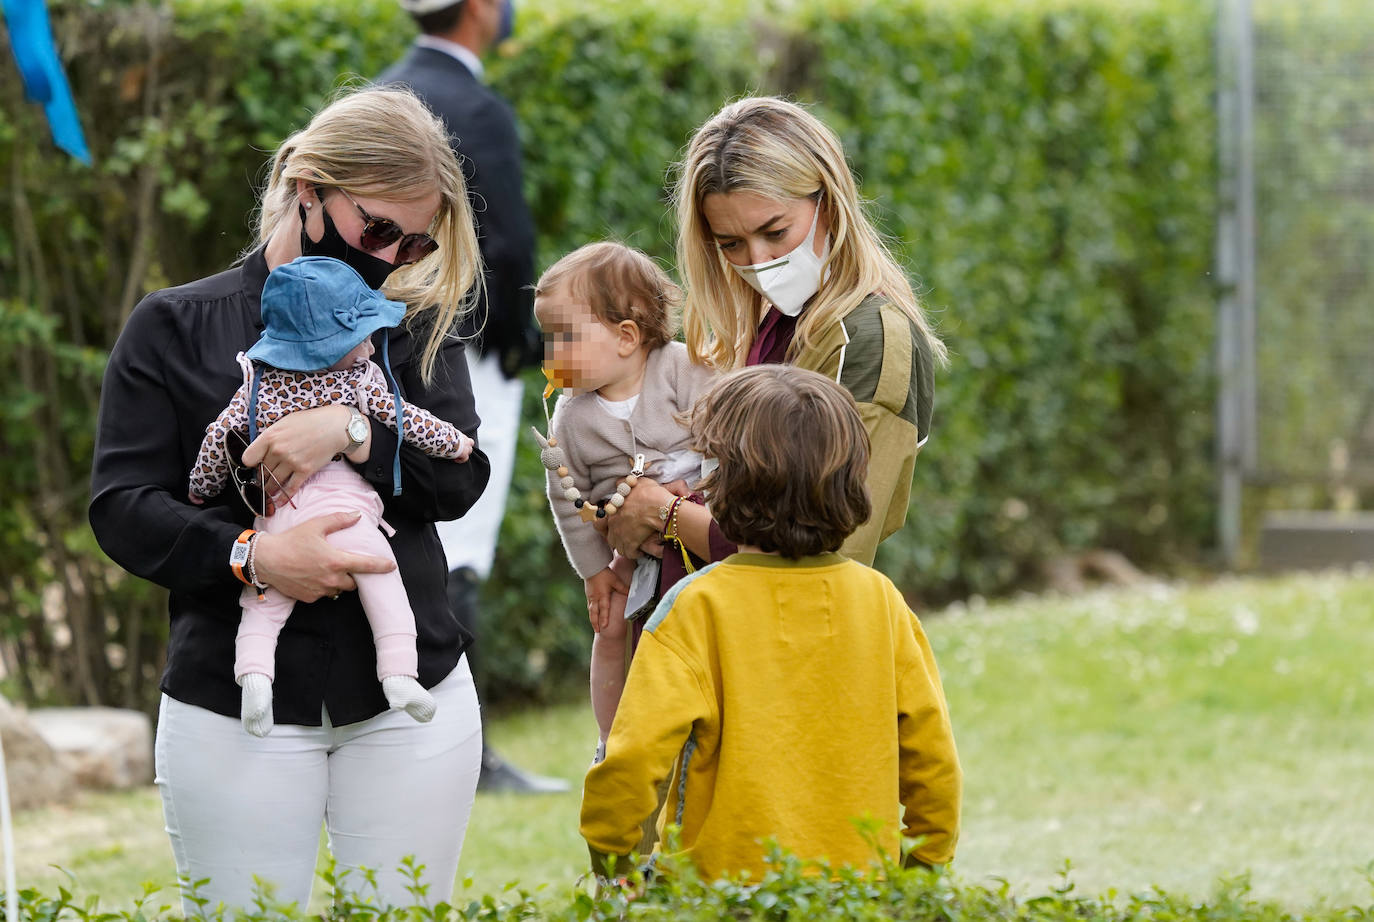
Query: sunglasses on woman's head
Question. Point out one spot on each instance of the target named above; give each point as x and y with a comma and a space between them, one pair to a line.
380, 233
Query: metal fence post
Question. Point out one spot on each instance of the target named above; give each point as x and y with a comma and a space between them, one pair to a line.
1235, 268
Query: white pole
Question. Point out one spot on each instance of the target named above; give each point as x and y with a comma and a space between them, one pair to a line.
1230, 438
1247, 294
1235, 265
7, 831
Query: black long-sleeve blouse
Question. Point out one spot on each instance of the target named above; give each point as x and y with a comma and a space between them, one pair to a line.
170, 373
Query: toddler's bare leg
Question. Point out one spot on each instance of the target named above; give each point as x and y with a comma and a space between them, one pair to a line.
608, 666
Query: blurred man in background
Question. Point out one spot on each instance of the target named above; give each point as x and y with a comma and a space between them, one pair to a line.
444, 68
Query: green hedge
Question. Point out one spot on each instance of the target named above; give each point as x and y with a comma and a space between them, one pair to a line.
1045, 169
792, 890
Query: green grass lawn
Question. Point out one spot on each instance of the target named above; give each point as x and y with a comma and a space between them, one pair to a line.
1156, 736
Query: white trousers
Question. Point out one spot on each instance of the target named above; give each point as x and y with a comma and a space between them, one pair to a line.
239, 807
471, 540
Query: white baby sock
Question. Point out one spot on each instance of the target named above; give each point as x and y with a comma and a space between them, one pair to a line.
256, 709
404, 693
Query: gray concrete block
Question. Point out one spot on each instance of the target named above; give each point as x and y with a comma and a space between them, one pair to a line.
1316, 540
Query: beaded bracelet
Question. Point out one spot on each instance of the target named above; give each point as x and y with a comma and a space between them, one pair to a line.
250, 567
673, 537
669, 516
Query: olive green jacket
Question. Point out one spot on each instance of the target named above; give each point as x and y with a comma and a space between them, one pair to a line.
880, 357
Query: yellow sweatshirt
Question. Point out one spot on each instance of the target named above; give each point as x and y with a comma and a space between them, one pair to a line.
799, 695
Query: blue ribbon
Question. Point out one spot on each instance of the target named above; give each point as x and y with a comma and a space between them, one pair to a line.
40, 68
253, 404
400, 418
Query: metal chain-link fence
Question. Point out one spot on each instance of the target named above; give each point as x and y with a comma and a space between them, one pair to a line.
1296, 251
1314, 239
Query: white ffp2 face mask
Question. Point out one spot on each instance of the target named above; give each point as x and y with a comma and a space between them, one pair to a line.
788, 282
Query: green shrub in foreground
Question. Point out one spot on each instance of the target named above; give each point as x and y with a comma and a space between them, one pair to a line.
791, 889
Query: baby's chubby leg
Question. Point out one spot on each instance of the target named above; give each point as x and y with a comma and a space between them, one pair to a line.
388, 611
404, 693
255, 709
393, 632
255, 650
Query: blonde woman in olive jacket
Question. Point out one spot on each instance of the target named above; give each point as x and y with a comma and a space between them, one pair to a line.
782, 265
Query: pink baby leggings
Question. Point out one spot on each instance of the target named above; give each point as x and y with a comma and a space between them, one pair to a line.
334, 488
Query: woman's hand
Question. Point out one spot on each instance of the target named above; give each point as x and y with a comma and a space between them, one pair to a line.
302, 564
297, 446
642, 516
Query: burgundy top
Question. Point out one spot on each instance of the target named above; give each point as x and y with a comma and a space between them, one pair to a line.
769, 348
774, 336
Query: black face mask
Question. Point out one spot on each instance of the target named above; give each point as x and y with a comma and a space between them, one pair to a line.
373, 270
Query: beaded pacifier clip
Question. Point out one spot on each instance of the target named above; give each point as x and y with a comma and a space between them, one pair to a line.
552, 456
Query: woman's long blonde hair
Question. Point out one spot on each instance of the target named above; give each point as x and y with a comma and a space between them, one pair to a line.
776, 149
384, 143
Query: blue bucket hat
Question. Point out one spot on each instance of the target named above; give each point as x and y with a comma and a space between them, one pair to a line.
316, 310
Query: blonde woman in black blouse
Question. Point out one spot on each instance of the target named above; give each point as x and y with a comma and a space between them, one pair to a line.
371, 181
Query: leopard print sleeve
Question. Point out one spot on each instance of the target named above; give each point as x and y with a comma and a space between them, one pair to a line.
424, 430
212, 462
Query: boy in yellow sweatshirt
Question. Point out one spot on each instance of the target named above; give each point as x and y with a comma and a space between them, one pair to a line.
786, 690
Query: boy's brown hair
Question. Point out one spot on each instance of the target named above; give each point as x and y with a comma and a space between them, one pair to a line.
619, 283
792, 454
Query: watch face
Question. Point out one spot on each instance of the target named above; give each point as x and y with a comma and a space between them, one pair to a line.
357, 430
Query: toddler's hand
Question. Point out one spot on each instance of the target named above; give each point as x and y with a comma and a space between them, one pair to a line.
198, 500
599, 589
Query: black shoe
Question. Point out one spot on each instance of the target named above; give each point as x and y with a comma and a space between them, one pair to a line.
500, 776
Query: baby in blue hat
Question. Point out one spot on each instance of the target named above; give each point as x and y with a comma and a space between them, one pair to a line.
316, 351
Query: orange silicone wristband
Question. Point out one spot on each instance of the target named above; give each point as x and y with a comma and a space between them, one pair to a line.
238, 555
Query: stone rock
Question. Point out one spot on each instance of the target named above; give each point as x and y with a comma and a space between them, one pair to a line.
36, 775
1073, 573
103, 748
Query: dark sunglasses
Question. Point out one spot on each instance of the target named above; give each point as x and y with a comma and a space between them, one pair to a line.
380, 233
251, 481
